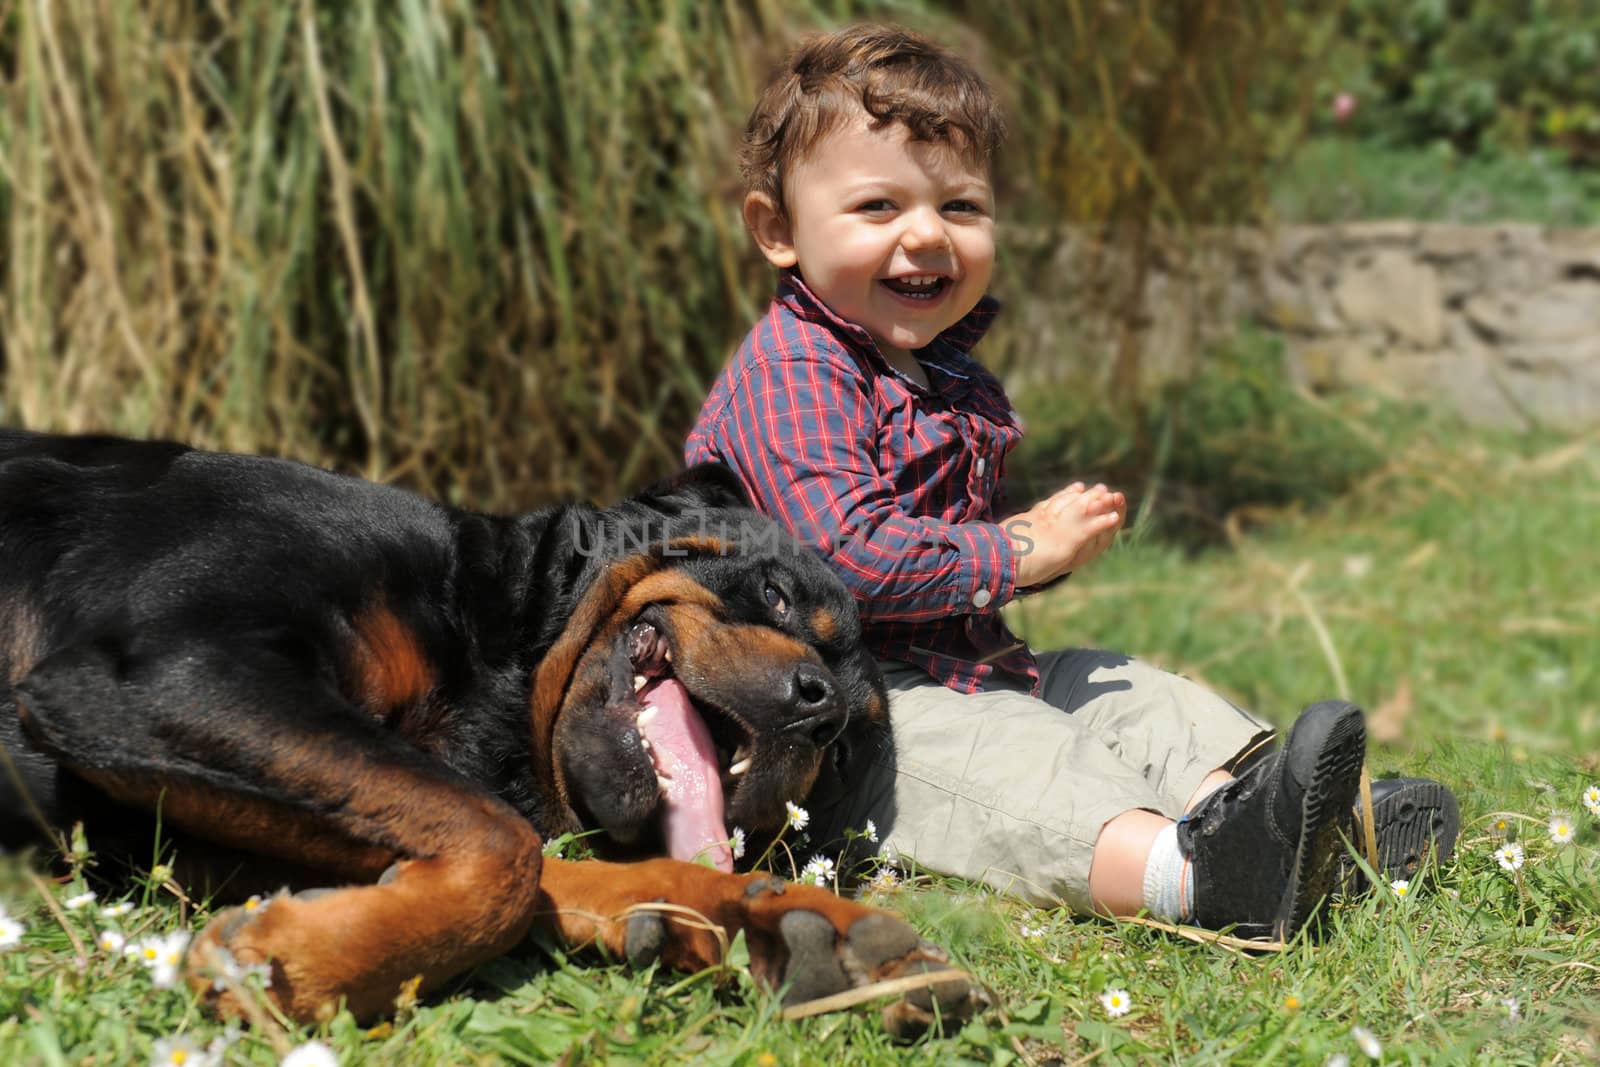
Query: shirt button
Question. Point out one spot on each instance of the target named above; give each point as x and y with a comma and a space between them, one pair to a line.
981, 598
978, 466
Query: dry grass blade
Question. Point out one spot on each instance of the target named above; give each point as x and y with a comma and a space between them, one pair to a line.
889, 987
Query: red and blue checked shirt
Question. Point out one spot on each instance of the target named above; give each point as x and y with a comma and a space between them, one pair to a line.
894, 484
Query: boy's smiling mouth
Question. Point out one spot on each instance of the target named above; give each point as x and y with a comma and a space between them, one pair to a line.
919, 288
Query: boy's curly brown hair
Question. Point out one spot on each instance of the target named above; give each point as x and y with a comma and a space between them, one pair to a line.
891, 73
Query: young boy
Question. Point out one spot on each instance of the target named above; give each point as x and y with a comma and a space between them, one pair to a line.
855, 414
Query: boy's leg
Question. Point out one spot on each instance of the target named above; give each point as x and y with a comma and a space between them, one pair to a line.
994, 787
1175, 733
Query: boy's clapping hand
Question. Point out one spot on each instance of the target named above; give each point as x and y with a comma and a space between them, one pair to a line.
1064, 532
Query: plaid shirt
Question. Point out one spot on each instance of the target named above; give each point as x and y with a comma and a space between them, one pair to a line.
894, 484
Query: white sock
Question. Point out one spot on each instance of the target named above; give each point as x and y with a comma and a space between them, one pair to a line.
1168, 879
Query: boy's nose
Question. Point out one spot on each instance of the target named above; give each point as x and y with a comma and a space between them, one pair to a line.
924, 230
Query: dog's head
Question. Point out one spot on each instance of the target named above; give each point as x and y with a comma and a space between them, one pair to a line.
708, 672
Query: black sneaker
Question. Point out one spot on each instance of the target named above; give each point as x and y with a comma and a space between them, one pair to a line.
1413, 819
1266, 846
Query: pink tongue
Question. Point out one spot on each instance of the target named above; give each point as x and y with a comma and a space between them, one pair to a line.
686, 760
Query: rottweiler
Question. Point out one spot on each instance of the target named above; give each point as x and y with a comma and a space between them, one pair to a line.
388, 704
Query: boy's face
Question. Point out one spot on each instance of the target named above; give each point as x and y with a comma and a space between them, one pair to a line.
893, 235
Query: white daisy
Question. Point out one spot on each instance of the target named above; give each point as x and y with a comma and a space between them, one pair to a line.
110, 941
11, 931
1513, 1008
162, 956
1401, 887
798, 816
871, 832
1561, 829
181, 1051
117, 910
885, 880
1116, 1002
310, 1054
1030, 932
160, 872
82, 900
736, 844
1338, 1059
1510, 856
1367, 1042
818, 869
1591, 800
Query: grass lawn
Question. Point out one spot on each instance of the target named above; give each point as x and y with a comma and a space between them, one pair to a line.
1334, 179
1454, 594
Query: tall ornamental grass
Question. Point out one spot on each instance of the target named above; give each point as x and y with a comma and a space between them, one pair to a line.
492, 250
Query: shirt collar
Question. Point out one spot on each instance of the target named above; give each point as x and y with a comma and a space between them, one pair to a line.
956, 341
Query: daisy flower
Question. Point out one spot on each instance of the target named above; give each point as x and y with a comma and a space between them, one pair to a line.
11, 931
162, 956
1501, 826
736, 843
885, 880
1561, 829
180, 1051
117, 910
818, 869
1030, 932
1116, 1002
110, 941
1338, 1059
798, 816
871, 832
1367, 1042
229, 970
160, 872
82, 900
254, 903
310, 1054
1510, 857
1291, 1003
1401, 887
1591, 800
1513, 1008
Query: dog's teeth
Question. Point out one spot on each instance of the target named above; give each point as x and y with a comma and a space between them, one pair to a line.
647, 716
667, 655
644, 742
639, 681
664, 781
740, 767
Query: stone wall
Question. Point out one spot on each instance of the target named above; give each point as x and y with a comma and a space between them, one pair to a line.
1500, 324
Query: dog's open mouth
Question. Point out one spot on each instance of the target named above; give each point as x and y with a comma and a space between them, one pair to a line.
695, 749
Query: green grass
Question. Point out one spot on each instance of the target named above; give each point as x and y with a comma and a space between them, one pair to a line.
1340, 180
1461, 573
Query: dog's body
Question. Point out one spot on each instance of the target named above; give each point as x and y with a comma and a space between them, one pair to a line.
362, 687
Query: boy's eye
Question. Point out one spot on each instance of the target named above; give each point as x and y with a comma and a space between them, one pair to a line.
875, 205
964, 207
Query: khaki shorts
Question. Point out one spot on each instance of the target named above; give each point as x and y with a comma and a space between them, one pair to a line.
1011, 790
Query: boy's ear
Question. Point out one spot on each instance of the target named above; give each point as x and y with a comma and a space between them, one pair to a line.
770, 229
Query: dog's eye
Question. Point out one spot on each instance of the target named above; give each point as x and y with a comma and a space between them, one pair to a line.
775, 599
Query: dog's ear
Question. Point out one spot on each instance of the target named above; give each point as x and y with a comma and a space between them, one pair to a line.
703, 486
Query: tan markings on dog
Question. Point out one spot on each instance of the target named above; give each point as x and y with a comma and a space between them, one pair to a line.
553, 676
461, 890
390, 668
825, 624
586, 679
699, 545
877, 708
21, 638
244, 822
590, 903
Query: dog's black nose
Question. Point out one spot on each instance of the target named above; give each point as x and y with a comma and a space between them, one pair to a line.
814, 704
